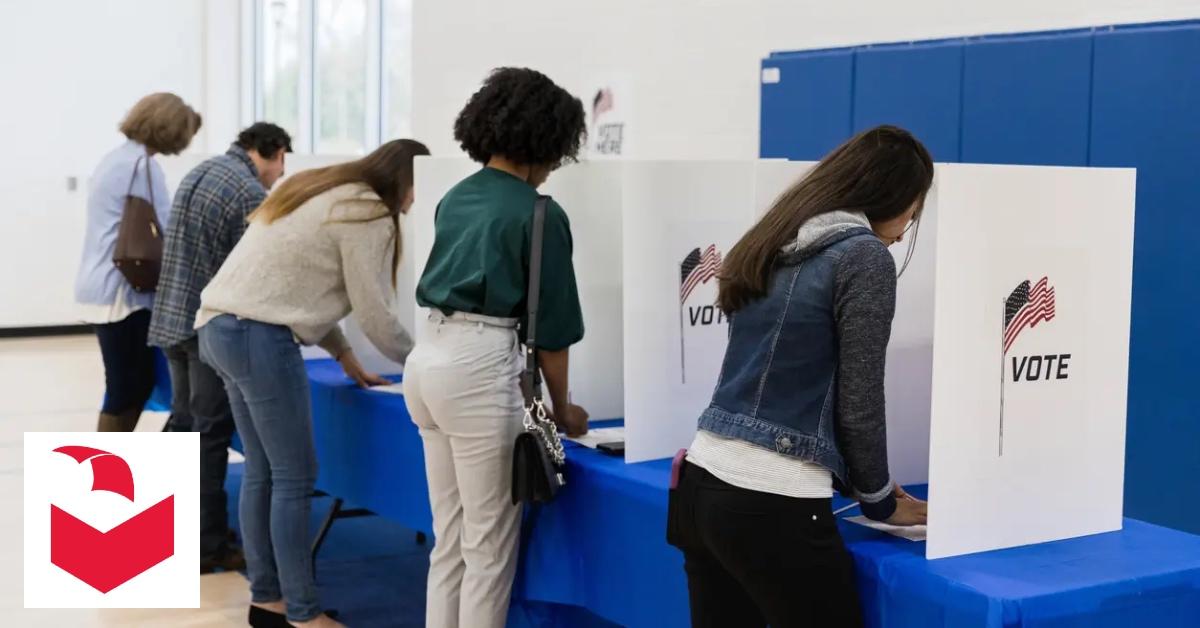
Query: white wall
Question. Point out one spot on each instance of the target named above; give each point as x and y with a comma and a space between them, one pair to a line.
69, 71
694, 63
223, 103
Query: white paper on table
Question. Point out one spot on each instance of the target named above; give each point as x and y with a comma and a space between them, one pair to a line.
391, 389
912, 533
599, 436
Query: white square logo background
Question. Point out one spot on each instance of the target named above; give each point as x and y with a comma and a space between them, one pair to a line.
163, 464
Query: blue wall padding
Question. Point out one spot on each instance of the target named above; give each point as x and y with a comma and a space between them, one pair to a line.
1146, 114
810, 106
915, 86
1027, 100
1125, 96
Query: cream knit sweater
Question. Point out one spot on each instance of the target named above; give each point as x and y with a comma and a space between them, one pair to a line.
311, 268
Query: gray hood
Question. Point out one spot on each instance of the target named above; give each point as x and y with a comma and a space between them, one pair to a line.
818, 229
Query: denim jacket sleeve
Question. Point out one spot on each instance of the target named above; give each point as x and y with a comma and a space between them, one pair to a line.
864, 303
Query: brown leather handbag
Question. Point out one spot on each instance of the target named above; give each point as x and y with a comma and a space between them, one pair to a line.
139, 251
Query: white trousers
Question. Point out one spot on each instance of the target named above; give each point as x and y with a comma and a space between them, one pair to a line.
461, 387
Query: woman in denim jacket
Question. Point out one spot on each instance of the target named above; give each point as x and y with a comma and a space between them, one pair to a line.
798, 409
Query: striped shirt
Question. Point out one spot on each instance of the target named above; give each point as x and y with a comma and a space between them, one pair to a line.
207, 220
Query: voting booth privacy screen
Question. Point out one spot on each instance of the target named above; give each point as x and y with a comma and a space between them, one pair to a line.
1007, 366
1030, 354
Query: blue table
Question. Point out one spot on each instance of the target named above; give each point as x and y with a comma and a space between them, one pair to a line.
601, 545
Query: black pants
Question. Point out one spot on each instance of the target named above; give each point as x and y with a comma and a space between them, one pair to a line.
758, 559
199, 404
128, 364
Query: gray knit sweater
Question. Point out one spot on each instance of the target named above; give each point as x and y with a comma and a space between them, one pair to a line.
311, 268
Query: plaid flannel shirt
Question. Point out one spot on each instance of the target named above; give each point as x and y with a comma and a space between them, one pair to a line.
207, 220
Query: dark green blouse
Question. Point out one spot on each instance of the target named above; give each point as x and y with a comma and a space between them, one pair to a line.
480, 258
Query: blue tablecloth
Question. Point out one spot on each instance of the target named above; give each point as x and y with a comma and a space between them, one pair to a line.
601, 545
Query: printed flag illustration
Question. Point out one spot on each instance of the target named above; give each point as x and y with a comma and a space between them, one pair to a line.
1024, 308
106, 560
695, 269
602, 102
698, 268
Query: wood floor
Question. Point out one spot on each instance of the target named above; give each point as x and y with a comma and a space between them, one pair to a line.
56, 385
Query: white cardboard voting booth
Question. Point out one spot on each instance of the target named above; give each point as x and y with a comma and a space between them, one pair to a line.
1007, 366
1033, 275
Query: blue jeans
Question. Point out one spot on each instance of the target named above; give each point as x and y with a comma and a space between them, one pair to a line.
268, 393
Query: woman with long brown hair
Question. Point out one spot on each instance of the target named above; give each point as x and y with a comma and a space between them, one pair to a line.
326, 243
799, 409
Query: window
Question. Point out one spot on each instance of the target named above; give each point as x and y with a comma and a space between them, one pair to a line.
280, 68
337, 74
341, 70
397, 49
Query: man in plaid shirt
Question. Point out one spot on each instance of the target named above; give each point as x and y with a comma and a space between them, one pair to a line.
207, 220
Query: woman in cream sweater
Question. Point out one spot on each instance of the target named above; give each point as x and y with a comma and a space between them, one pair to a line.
326, 243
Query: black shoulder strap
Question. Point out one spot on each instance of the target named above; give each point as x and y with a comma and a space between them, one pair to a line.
534, 291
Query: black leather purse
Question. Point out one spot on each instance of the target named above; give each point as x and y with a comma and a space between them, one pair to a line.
538, 457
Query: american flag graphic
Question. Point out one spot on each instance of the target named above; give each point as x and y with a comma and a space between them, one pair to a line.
698, 268
1025, 308
602, 102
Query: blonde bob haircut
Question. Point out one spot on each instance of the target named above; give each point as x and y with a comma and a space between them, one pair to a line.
162, 122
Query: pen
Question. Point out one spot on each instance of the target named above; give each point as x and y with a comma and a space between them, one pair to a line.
845, 508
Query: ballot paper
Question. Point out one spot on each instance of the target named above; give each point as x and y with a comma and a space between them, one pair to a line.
391, 389
912, 533
600, 436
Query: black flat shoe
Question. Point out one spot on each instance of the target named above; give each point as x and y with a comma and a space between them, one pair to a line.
260, 617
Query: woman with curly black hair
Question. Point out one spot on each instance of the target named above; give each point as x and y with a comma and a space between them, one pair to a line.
461, 380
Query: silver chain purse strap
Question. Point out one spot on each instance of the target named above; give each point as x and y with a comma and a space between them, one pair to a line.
538, 422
